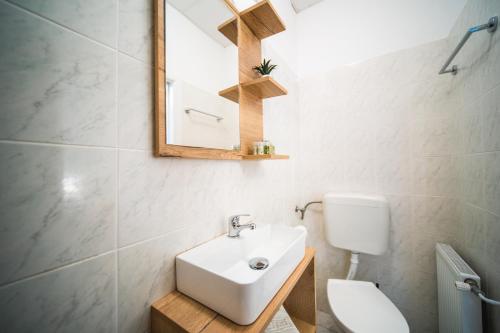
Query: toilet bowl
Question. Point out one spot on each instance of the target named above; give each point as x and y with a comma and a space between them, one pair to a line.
360, 223
360, 307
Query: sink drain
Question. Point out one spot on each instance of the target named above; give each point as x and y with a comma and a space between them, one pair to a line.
258, 263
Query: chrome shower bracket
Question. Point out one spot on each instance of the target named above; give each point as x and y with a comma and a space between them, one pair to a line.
493, 24
490, 26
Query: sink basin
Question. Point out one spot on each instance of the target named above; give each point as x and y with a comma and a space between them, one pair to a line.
217, 273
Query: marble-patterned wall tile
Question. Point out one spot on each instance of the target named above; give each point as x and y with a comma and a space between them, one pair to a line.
435, 135
393, 173
493, 241
392, 144
371, 146
396, 266
66, 90
472, 179
435, 176
398, 286
57, 206
472, 128
135, 32
424, 310
360, 174
490, 110
478, 228
492, 182
474, 233
152, 200
76, 298
439, 96
369, 270
393, 132
436, 215
475, 226
146, 273
95, 19
425, 290
56, 86
359, 149
490, 68
204, 189
424, 250
135, 104
399, 255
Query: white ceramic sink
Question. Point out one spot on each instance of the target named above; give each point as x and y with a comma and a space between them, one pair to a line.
217, 273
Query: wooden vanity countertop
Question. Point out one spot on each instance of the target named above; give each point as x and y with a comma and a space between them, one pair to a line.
177, 312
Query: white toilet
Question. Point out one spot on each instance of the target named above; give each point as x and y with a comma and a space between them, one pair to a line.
360, 223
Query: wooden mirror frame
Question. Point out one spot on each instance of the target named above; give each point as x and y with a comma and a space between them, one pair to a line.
161, 148
248, 28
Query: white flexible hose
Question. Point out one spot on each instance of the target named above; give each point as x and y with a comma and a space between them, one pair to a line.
353, 267
471, 285
487, 300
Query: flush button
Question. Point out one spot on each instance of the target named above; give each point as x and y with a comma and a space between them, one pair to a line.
258, 263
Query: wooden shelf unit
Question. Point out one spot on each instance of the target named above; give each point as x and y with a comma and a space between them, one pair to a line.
178, 313
263, 87
231, 93
265, 157
230, 30
263, 19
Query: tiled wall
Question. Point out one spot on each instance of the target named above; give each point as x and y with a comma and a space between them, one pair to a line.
90, 220
384, 126
479, 119
428, 142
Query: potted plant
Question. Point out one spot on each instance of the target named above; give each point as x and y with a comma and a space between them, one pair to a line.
265, 68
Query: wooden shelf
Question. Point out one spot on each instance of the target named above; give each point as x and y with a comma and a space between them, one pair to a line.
263, 19
230, 30
263, 87
303, 326
265, 157
177, 312
231, 93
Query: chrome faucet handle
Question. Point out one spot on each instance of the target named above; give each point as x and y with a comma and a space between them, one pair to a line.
234, 227
235, 219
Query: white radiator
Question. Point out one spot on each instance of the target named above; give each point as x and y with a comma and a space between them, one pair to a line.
459, 311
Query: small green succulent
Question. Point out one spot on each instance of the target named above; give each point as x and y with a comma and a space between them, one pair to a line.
265, 68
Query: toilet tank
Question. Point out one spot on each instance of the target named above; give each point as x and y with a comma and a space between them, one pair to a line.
356, 222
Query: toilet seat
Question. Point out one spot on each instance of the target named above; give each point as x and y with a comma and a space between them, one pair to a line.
361, 307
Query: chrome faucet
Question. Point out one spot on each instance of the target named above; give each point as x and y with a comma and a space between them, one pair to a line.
234, 227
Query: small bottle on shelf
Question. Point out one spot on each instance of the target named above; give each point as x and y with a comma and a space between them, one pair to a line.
266, 147
260, 148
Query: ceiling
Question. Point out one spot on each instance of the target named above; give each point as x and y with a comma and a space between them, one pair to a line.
196, 11
300, 5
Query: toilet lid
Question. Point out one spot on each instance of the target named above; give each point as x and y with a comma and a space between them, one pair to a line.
361, 307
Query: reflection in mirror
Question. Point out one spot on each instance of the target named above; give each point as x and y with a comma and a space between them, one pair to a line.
200, 61
241, 5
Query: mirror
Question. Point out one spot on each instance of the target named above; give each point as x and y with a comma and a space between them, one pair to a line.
241, 5
199, 62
